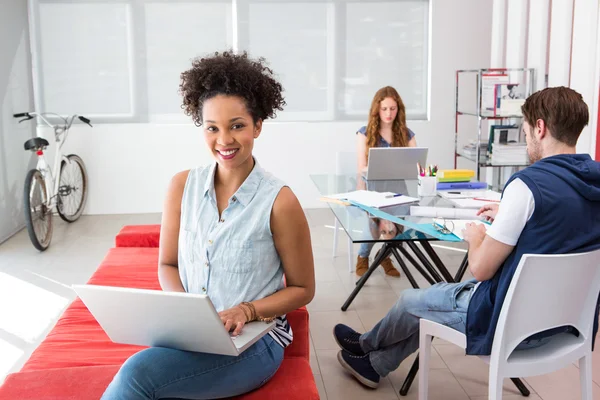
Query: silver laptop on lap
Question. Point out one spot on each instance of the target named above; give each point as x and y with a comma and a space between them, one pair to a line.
175, 320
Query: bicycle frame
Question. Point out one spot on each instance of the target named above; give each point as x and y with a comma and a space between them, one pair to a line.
60, 134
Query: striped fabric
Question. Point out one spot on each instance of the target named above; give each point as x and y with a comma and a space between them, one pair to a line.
282, 333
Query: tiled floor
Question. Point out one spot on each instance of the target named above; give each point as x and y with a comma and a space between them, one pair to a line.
34, 289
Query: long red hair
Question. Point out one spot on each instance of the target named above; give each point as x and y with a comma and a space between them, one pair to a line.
399, 129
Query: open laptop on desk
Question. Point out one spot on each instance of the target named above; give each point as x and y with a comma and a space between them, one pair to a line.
175, 320
394, 163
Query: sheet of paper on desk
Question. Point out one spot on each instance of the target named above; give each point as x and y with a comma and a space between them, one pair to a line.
373, 199
472, 199
443, 212
460, 224
469, 194
471, 203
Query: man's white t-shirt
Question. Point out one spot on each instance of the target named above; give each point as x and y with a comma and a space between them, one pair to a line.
516, 208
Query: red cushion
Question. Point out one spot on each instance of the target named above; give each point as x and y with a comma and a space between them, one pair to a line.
293, 381
300, 346
138, 236
81, 383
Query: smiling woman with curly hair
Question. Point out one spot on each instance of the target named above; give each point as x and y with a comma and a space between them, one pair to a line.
226, 233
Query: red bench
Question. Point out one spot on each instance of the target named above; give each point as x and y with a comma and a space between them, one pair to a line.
138, 236
77, 360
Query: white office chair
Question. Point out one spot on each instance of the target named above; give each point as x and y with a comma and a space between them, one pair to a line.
345, 164
547, 291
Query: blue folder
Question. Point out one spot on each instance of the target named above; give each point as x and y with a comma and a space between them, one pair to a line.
425, 228
461, 185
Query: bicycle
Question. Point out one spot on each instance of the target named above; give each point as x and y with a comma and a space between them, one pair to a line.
43, 192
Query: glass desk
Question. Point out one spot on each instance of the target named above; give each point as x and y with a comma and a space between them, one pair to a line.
363, 227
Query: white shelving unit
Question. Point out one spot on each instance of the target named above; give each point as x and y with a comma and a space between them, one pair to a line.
525, 77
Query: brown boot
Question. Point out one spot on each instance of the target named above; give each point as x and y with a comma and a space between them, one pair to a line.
389, 268
362, 265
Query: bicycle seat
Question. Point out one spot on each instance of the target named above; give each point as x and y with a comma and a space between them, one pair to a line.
36, 144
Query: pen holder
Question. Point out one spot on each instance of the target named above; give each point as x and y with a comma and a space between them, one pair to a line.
427, 186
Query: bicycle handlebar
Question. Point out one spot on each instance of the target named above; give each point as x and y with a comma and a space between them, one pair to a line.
21, 115
31, 115
85, 120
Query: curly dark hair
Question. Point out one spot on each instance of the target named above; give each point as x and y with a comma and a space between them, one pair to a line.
231, 74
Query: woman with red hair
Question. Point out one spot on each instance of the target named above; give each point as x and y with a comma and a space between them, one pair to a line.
386, 128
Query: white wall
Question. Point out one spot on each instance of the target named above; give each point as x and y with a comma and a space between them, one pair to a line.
585, 68
15, 96
129, 165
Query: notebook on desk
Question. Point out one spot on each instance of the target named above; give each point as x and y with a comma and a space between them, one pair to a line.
370, 198
469, 194
471, 198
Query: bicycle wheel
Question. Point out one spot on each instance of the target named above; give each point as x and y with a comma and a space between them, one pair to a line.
72, 188
38, 216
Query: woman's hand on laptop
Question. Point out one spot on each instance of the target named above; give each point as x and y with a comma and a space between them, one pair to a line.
233, 319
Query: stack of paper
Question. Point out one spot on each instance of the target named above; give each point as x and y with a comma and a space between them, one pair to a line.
371, 198
514, 153
470, 150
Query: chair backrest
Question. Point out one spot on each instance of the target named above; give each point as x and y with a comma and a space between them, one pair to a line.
549, 291
345, 163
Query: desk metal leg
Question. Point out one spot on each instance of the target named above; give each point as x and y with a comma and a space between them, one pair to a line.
411, 279
381, 255
436, 260
521, 386
416, 265
428, 266
410, 377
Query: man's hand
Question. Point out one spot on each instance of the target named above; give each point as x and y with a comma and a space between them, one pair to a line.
489, 211
233, 318
474, 234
